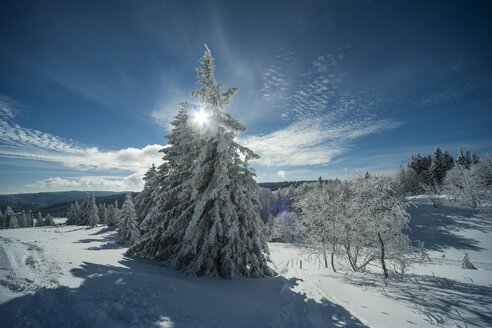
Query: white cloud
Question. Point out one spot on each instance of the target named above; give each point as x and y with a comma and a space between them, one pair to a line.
311, 141
30, 144
132, 182
281, 173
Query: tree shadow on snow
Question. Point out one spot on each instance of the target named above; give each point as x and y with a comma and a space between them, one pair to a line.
103, 231
111, 245
145, 294
439, 228
106, 239
438, 299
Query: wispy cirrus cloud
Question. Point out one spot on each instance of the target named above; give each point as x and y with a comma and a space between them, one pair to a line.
30, 144
323, 116
275, 81
312, 141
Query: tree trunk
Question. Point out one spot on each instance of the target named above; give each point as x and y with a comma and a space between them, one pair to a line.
382, 256
332, 261
352, 264
326, 260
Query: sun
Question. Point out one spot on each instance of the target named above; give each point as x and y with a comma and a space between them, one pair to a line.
201, 116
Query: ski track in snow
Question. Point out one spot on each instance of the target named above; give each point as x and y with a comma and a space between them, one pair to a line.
78, 277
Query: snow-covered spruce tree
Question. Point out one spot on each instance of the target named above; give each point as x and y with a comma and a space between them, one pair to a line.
144, 200
167, 199
466, 263
475, 159
30, 219
9, 213
461, 160
93, 213
210, 225
127, 227
2, 220
71, 215
437, 170
115, 214
49, 220
39, 219
12, 222
468, 158
85, 210
101, 210
385, 214
22, 220
74, 214
108, 211
448, 161
421, 165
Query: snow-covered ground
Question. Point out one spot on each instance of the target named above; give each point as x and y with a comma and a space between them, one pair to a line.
78, 277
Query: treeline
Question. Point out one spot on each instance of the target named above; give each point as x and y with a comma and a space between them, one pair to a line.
12, 220
430, 170
467, 177
89, 214
283, 184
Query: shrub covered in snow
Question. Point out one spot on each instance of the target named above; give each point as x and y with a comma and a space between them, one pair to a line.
466, 264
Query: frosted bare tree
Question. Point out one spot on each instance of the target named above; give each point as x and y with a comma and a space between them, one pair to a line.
383, 213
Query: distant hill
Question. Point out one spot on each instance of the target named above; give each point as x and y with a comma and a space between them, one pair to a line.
57, 203
37, 201
61, 209
282, 184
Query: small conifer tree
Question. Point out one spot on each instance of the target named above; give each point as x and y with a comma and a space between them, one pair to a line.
128, 231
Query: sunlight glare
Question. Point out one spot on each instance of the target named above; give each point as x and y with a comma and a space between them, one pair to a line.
201, 117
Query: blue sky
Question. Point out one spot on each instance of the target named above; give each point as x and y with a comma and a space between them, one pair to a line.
330, 88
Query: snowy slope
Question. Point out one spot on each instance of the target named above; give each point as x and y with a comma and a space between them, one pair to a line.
78, 277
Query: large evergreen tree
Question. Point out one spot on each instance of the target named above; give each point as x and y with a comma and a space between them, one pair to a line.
209, 224
127, 227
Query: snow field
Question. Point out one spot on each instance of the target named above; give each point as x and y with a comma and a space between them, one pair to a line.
78, 277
